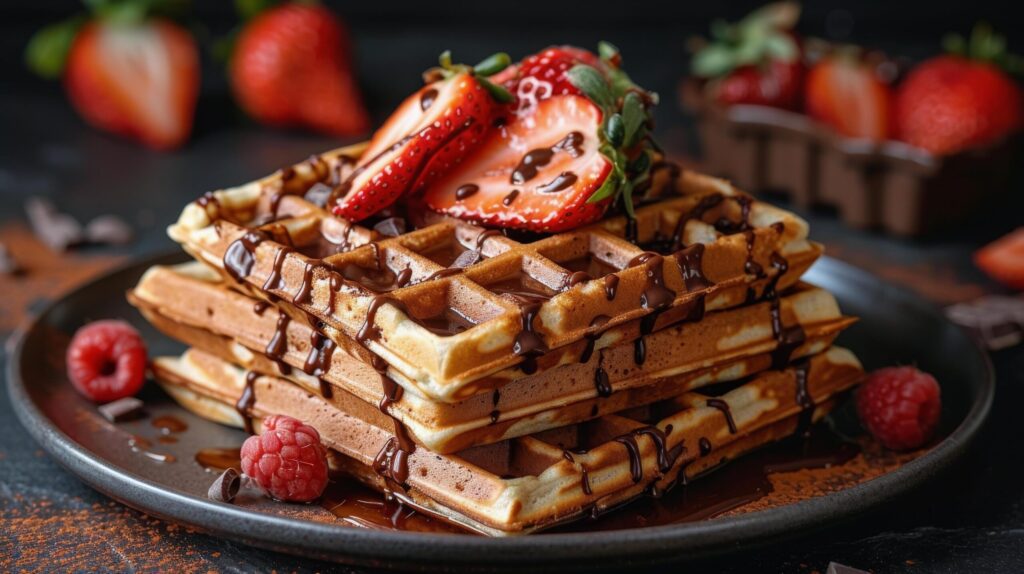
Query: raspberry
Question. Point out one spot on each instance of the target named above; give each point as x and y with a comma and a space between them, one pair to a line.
106, 361
287, 460
900, 406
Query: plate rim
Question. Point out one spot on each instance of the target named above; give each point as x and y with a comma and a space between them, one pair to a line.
366, 547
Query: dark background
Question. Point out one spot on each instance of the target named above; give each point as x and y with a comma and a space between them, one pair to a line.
972, 519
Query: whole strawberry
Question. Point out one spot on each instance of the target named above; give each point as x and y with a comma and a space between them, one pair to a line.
286, 460
953, 103
755, 61
125, 71
292, 66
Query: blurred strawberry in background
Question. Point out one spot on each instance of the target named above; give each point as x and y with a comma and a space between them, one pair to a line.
1003, 259
963, 100
292, 67
126, 68
755, 61
844, 91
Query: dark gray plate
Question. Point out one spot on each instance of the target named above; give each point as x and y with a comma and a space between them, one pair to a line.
896, 327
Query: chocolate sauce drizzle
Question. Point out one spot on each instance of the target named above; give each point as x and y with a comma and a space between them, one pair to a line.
535, 159
508, 199
247, 400
241, 254
666, 458
259, 307
584, 475
563, 181
611, 286
788, 339
392, 462
528, 343
278, 344
691, 266
801, 372
305, 292
705, 446
466, 191
723, 406
274, 280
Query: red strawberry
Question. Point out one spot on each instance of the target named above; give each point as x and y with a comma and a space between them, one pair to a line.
755, 61
292, 67
429, 132
535, 173
950, 103
543, 75
775, 83
846, 94
1003, 259
137, 80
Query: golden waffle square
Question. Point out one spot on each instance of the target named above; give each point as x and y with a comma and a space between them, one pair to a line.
190, 303
447, 321
529, 483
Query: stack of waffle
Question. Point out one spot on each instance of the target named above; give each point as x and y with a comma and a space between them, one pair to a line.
504, 384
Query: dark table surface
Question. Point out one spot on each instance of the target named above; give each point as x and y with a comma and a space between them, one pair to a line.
970, 519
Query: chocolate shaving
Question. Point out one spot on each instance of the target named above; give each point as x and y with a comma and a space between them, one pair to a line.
121, 410
108, 230
226, 486
998, 320
391, 227
318, 194
466, 258
57, 230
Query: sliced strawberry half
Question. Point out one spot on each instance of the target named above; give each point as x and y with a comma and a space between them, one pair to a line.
432, 130
1003, 259
535, 173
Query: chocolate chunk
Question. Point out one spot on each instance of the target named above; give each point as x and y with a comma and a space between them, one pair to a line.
837, 568
8, 264
318, 194
226, 486
109, 230
998, 320
391, 227
466, 258
57, 230
121, 410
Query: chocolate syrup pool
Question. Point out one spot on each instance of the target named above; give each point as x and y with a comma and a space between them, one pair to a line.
730, 487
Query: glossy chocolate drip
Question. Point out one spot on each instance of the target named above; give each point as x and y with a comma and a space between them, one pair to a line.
241, 254
535, 159
723, 406
318, 361
611, 286
278, 344
750, 266
564, 180
591, 338
484, 235
446, 272
467, 190
691, 266
403, 277
705, 204
368, 329
508, 199
528, 343
705, 446
584, 475
602, 383
305, 292
219, 459
632, 232
335, 283
781, 266
259, 307
788, 339
655, 295
801, 372
245, 402
169, 424
427, 98
392, 462
636, 463
274, 280
573, 279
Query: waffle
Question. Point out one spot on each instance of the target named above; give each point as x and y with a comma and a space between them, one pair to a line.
190, 303
454, 325
530, 483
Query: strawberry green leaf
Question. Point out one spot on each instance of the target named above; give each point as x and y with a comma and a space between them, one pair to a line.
592, 84
781, 47
500, 94
633, 118
608, 189
47, 50
445, 59
493, 64
642, 163
627, 198
249, 9
614, 130
712, 61
607, 50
